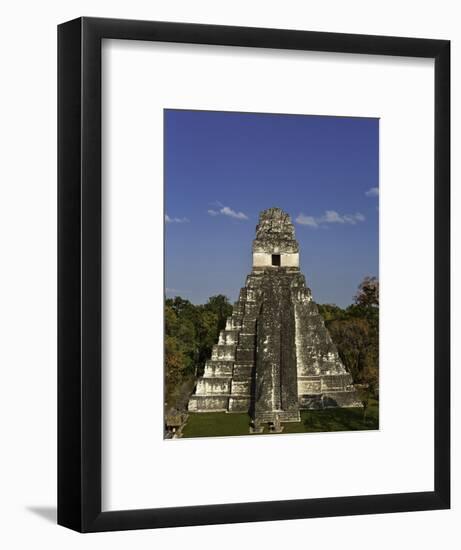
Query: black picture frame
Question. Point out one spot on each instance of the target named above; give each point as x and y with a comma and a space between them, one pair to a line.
79, 274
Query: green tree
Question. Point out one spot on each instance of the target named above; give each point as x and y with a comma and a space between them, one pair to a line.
190, 333
171, 320
221, 307
352, 337
368, 292
331, 312
355, 332
207, 330
174, 363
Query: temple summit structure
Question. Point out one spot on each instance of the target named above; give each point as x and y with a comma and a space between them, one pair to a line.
275, 357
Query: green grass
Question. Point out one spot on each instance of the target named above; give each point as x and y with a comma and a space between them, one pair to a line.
216, 424
327, 420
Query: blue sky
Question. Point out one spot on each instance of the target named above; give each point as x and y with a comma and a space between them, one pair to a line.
223, 168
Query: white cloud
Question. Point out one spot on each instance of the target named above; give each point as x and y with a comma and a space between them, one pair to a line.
233, 214
175, 220
227, 211
306, 220
372, 192
330, 216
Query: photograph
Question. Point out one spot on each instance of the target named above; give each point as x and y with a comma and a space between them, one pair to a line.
271, 273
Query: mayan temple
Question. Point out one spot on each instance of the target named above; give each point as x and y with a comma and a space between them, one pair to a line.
275, 357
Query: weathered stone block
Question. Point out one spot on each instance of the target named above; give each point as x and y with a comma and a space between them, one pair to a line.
228, 337
239, 404
309, 385
218, 369
233, 323
249, 325
223, 352
244, 354
338, 382
243, 371
208, 403
247, 340
240, 387
213, 386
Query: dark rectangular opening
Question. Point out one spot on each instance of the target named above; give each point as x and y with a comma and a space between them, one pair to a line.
276, 259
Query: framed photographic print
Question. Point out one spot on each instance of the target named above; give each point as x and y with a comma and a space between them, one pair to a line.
253, 274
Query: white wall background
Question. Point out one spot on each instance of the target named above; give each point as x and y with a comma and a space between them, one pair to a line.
28, 270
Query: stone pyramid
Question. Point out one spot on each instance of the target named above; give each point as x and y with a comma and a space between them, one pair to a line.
275, 357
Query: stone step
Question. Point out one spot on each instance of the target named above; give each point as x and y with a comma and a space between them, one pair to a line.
331, 399
251, 309
254, 279
199, 403
249, 325
244, 354
247, 339
234, 323
213, 386
223, 352
321, 384
238, 309
228, 337
309, 386
218, 369
310, 364
221, 363
248, 295
243, 371
240, 387
239, 403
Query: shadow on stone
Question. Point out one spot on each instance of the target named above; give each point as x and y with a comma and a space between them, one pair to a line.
328, 402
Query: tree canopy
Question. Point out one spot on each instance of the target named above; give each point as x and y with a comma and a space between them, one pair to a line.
190, 333
355, 332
